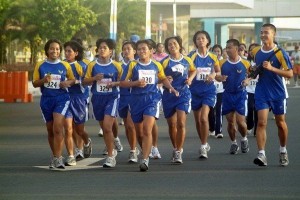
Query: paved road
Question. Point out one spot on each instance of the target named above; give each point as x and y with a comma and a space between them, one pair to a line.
24, 157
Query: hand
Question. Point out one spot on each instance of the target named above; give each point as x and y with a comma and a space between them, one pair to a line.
188, 81
245, 82
98, 77
267, 65
64, 84
223, 78
110, 84
210, 78
141, 83
175, 92
47, 78
170, 78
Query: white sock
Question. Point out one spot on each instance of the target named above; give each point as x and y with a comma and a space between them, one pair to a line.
203, 145
282, 149
262, 152
244, 138
233, 142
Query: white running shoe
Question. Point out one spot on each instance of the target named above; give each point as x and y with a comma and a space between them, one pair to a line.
144, 166
79, 154
178, 157
71, 161
118, 145
154, 153
100, 134
58, 163
110, 162
203, 151
133, 155
211, 133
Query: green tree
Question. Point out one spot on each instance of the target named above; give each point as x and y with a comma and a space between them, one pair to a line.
62, 19
7, 23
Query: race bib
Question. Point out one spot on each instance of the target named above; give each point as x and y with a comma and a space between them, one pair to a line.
54, 82
148, 76
102, 85
178, 68
253, 82
202, 73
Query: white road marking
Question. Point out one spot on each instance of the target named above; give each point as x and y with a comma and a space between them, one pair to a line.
86, 163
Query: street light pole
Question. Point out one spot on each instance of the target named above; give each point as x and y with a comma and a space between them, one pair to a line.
175, 17
148, 20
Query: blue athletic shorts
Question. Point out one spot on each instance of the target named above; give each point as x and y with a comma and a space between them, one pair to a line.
78, 109
235, 102
208, 98
171, 103
56, 104
144, 104
278, 107
124, 105
105, 105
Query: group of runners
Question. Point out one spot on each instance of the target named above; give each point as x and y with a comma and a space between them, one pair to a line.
133, 89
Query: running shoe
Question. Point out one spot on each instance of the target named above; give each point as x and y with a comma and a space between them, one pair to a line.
283, 159
78, 154
144, 166
260, 160
110, 162
51, 164
211, 133
245, 146
249, 132
100, 134
234, 148
118, 145
58, 163
71, 161
219, 135
178, 157
87, 149
203, 151
154, 153
133, 155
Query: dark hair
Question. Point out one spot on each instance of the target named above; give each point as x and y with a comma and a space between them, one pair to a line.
133, 45
249, 57
109, 42
157, 44
270, 26
147, 42
217, 46
49, 42
76, 47
206, 35
235, 42
243, 44
152, 43
79, 40
179, 41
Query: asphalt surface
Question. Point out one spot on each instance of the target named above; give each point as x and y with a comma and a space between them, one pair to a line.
25, 155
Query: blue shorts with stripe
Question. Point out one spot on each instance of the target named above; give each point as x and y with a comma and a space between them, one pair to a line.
105, 105
54, 104
208, 98
144, 104
278, 107
171, 103
78, 109
124, 105
235, 102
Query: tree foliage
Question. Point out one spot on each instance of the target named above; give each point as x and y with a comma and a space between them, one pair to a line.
32, 22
